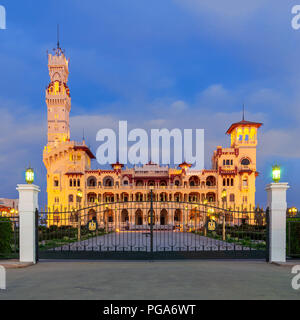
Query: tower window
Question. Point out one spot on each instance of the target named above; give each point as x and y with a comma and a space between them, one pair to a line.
78, 183
56, 183
245, 162
71, 184
245, 182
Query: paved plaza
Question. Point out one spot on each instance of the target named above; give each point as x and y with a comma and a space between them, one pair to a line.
197, 279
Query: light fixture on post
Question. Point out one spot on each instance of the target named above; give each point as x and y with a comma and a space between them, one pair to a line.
224, 195
276, 173
224, 199
29, 176
79, 194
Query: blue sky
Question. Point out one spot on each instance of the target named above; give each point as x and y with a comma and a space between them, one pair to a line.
171, 63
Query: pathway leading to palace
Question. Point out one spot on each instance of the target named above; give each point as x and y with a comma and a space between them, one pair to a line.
162, 241
158, 280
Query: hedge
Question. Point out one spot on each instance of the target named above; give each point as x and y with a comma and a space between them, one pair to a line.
6, 235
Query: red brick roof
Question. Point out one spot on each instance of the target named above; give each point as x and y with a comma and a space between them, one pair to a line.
243, 123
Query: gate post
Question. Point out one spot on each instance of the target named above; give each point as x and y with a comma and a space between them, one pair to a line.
28, 204
277, 221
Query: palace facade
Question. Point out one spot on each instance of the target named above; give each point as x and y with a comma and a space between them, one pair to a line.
72, 184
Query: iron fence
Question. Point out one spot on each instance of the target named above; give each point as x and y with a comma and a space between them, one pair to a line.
152, 230
293, 236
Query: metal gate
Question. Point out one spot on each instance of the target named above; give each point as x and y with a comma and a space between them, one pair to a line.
293, 236
152, 230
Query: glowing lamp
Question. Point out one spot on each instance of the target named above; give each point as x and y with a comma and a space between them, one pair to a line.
211, 211
276, 173
293, 211
224, 194
29, 176
79, 193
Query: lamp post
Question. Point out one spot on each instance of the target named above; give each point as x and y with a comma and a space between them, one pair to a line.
205, 215
79, 196
224, 200
151, 219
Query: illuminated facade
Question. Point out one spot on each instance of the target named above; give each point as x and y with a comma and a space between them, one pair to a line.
68, 165
9, 207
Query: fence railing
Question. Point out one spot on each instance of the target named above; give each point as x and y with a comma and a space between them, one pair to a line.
293, 236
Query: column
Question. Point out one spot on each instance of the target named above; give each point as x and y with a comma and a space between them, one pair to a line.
277, 236
28, 203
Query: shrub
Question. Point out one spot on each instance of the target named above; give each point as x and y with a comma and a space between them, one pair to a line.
6, 234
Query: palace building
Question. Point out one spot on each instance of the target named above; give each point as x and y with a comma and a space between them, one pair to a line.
71, 183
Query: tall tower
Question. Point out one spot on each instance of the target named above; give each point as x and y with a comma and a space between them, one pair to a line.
58, 98
244, 141
66, 161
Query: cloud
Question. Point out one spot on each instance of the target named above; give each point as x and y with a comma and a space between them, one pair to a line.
280, 143
228, 9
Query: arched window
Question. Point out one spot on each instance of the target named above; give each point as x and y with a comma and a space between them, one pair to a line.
245, 162
71, 184
211, 181
71, 198
194, 181
92, 182
139, 183
74, 183
108, 182
231, 197
78, 183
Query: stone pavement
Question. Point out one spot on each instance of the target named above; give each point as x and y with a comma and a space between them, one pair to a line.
14, 264
189, 279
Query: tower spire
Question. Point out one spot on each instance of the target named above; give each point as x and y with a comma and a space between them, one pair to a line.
243, 111
58, 45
